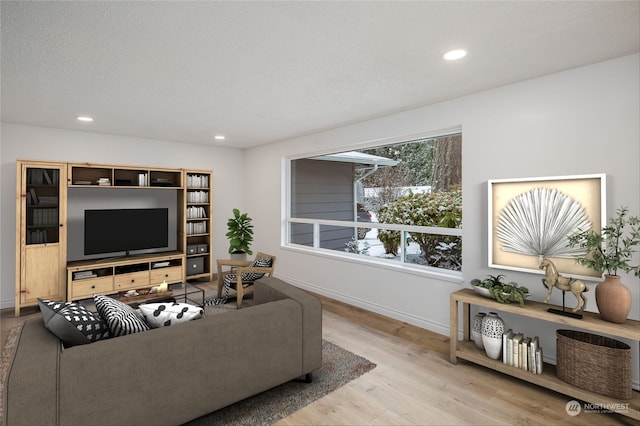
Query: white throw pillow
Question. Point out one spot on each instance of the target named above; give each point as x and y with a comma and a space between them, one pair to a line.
166, 314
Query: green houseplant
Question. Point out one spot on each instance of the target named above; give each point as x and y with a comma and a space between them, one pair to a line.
606, 252
501, 291
240, 233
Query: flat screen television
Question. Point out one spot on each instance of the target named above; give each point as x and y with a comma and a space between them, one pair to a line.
113, 231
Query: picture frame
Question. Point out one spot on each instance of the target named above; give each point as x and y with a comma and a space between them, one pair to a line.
530, 218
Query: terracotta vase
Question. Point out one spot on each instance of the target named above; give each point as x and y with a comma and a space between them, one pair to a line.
492, 329
613, 299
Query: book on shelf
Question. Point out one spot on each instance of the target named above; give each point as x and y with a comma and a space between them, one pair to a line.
515, 351
47, 178
506, 337
539, 361
524, 353
535, 343
34, 196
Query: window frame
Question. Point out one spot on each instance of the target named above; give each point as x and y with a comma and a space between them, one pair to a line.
412, 268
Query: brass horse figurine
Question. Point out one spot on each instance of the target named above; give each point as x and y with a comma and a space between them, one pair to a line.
553, 279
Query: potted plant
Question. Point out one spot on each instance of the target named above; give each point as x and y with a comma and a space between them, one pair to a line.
501, 291
240, 235
606, 252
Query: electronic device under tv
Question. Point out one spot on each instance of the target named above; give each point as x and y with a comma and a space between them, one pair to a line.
114, 231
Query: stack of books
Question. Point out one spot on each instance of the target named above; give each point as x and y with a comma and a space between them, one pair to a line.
104, 181
82, 275
197, 181
522, 352
142, 179
197, 197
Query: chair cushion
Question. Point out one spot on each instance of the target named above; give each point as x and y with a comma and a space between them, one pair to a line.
166, 314
247, 277
262, 262
121, 318
73, 323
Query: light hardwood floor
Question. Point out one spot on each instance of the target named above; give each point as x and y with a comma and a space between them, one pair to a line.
414, 383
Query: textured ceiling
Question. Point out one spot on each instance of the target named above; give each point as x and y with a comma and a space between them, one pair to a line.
265, 71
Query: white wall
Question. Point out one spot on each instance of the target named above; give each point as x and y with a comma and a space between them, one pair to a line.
39, 143
580, 121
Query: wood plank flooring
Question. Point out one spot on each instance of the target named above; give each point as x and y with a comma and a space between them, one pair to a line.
414, 383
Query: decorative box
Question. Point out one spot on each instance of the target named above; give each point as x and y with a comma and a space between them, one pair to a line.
195, 265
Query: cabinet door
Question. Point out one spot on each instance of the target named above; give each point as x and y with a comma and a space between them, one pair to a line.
41, 232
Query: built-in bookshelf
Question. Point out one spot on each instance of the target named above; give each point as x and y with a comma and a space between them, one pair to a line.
467, 350
197, 238
42, 267
40, 231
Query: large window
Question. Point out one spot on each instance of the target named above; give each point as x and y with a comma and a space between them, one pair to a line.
398, 204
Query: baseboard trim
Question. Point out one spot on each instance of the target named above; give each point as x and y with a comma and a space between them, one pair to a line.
368, 306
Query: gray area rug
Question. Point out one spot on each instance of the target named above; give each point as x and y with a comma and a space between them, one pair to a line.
339, 367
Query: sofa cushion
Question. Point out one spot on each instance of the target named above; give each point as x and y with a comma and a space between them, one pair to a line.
171, 313
121, 318
72, 323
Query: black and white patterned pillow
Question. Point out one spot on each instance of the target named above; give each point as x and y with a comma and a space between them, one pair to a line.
261, 262
121, 318
166, 314
73, 323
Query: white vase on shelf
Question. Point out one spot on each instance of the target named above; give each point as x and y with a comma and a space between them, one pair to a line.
492, 329
476, 329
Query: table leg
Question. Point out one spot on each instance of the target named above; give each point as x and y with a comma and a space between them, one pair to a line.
453, 329
466, 321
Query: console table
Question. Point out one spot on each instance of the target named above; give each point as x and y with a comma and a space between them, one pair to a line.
466, 349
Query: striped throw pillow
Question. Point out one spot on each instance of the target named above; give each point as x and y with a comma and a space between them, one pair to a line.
121, 318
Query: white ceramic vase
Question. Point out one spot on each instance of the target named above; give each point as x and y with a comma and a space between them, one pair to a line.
476, 329
492, 329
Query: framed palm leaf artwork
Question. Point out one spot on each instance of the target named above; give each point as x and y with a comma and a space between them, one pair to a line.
531, 218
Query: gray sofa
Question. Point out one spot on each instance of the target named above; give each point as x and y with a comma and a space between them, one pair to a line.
170, 375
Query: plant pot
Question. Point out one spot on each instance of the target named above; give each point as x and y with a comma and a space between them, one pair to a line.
238, 256
613, 299
492, 329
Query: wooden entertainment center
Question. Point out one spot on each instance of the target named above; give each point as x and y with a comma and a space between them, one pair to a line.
42, 269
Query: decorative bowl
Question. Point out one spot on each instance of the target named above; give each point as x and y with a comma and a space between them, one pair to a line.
482, 291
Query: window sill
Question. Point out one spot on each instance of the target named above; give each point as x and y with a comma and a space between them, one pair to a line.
407, 268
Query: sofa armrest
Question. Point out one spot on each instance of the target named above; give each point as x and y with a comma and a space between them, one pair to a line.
31, 393
269, 289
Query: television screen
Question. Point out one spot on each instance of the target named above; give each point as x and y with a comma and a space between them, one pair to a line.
125, 230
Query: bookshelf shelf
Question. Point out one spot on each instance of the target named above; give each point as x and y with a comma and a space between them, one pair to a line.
466, 349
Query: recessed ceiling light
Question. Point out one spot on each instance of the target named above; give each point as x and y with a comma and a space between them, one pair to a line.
85, 118
219, 137
454, 55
